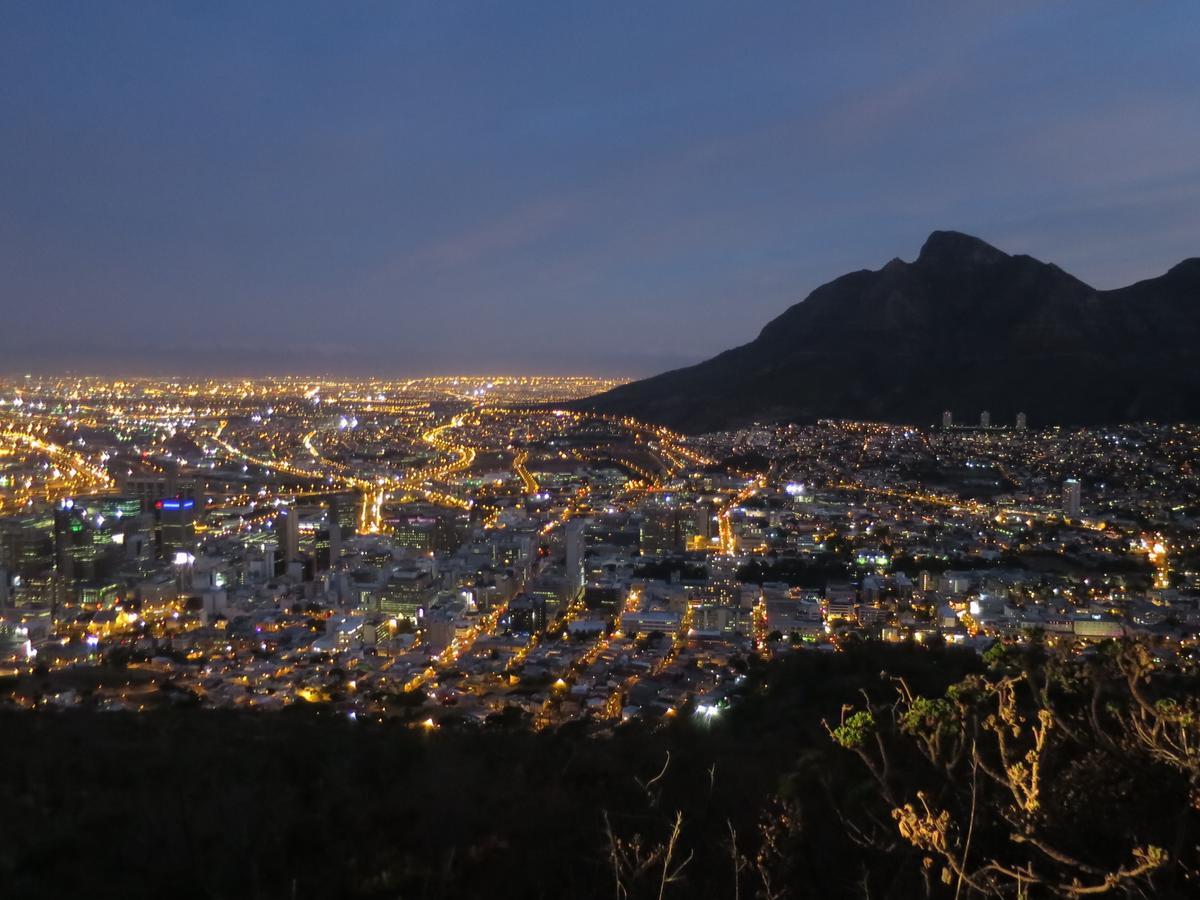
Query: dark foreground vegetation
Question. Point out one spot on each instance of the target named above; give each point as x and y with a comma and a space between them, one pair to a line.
948, 776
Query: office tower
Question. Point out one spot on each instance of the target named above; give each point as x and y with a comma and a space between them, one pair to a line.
149, 489
424, 534
175, 525
723, 583
527, 614
27, 545
659, 531
287, 532
69, 540
553, 589
414, 532
671, 527
335, 544
407, 594
84, 544
985, 419
344, 509
575, 547
947, 419
1021, 423
1071, 498
327, 547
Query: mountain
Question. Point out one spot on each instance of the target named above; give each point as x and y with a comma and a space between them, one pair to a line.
964, 327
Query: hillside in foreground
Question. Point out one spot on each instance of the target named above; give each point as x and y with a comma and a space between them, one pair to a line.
825, 779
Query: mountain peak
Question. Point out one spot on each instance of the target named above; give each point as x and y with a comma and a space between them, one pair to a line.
966, 327
1189, 267
956, 247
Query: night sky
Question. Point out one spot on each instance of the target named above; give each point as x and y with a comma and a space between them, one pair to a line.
603, 188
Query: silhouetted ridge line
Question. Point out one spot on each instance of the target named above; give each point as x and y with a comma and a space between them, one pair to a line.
964, 327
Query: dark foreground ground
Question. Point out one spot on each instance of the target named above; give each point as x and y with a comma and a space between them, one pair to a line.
190, 803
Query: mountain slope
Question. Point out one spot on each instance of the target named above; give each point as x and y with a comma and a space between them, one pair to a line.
964, 327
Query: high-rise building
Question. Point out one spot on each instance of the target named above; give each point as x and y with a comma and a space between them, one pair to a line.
575, 545
985, 419
1071, 498
327, 547
175, 521
27, 545
1021, 423
672, 527
947, 419
723, 584
407, 595
149, 489
527, 614
86, 546
335, 544
424, 533
343, 509
287, 533
552, 587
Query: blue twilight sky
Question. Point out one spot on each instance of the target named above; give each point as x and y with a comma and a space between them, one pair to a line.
600, 187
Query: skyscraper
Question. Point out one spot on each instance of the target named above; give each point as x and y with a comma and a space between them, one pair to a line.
670, 527
423, 533
343, 509
27, 546
84, 546
947, 419
1021, 423
1071, 498
149, 489
574, 540
287, 530
176, 525
985, 419
327, 547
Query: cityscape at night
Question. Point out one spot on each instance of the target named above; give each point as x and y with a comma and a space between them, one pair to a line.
779, 537
255, 544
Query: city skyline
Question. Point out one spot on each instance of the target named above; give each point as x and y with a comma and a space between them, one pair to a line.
543, 190
333, 631
684, 450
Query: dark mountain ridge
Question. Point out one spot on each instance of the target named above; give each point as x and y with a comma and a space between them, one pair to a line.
964, 327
